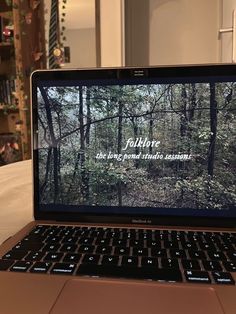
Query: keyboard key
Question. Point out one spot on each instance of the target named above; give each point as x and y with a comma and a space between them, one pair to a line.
113, 234
39, 230
33, 239
40, 267
197, 276
86, 249
216, 255
63, 269
119, 242
103, 249
90, 259
53, 232
102, 242
212, 265
149, 261
52, 247
52, 239
67, 233
232, 255
161, 236
21, 266
28, 246
34, 256
190, 264
110, 260
5, 264
68, 248
144, 236
140, 251
15, 255
130, 272
127, 235
225, 247
195, 254
177, 253
230, 266
98, 235
72, 258
138, 243
223, 278
86, 241
169, 263
158, 253
171, 244
122, 251
129, 260
153, 244
206, 246
53, 257
189, 245
70, 240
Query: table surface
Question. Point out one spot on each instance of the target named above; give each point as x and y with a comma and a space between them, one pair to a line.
16, 209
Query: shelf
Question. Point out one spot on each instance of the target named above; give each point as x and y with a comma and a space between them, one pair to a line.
18, 58
9, 110
4, 7
7, 15
6, 44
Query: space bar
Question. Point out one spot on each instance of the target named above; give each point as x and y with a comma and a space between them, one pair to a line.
130, 272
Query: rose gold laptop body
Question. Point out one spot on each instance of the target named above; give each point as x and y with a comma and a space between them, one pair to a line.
27, 293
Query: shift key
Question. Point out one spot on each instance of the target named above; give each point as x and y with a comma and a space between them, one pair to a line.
5, 264
15, 255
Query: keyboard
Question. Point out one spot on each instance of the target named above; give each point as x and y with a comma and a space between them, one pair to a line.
159, 255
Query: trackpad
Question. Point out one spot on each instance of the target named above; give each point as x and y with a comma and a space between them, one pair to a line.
116, 297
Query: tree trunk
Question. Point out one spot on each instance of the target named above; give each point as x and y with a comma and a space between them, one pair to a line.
119, 148
183, 118
120, 120
150, 134
88, 100
151, 122
43, 186
84, 183
213, 128
136, 149
53, 142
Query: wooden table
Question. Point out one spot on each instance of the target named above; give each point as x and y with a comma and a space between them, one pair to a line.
16, 208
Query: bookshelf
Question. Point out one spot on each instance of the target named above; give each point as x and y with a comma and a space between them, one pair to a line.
22, 50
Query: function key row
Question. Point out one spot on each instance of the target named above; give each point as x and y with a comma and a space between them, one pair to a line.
124, 233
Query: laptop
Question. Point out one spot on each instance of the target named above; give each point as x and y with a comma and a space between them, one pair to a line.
134, 194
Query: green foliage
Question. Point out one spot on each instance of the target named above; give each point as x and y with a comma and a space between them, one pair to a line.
206, 192
176, 115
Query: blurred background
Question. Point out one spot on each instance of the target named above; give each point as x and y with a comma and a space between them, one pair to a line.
40, 34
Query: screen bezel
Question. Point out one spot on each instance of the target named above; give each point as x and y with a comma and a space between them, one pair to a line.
161, 72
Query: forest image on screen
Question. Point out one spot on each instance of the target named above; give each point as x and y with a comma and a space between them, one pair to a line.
152, 145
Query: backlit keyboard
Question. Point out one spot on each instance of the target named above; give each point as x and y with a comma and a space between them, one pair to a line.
160, 255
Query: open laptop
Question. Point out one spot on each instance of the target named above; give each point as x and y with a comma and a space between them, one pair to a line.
134, 194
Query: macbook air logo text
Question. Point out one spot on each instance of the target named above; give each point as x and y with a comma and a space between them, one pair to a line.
141, 221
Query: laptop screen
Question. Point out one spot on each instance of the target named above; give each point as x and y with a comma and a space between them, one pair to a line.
136, 144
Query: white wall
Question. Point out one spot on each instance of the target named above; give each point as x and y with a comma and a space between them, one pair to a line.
228, 6
82, 47
111, 28
184, 31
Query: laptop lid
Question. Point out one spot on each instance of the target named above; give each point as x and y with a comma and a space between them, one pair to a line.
135, 145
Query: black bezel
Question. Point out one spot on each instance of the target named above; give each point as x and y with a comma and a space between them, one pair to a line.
163, 72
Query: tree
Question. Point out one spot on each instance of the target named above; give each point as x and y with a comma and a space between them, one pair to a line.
213, 128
